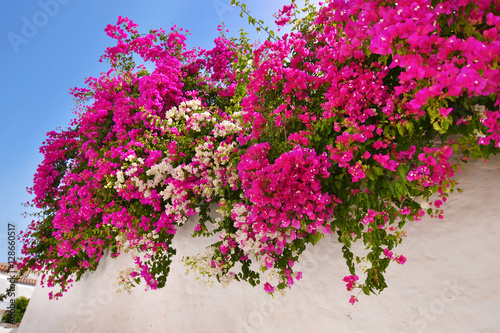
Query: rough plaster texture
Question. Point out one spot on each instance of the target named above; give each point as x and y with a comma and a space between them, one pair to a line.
449, 284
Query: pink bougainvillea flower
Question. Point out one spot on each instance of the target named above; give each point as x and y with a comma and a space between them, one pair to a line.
401, 259
268, 287
445, 111
335, 126
351, 281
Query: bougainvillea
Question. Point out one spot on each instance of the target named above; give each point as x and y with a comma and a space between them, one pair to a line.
346, 125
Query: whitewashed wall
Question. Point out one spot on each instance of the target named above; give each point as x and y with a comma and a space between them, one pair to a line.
21, 290
450, 283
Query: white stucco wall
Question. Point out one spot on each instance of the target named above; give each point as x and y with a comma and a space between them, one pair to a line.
449, 284
21, 290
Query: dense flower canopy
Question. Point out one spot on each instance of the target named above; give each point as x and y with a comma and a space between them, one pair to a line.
346, 125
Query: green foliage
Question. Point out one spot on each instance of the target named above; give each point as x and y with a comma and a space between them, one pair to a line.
20, 306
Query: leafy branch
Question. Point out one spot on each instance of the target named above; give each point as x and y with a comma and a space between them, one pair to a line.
253, 21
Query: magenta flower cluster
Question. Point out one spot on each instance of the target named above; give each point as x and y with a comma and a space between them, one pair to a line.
350, 125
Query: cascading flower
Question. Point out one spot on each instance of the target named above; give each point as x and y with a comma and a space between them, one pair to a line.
343, 125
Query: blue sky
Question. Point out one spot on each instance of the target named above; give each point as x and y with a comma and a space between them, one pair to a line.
49, 46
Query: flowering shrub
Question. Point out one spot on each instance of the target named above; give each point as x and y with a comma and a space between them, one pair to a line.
347, 125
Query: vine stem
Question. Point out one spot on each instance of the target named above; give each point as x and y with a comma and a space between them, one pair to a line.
252, 20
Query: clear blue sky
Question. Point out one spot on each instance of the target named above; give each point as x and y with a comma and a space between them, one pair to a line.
49, 46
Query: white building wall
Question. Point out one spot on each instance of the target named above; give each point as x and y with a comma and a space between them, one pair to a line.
22, 289
449, 284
